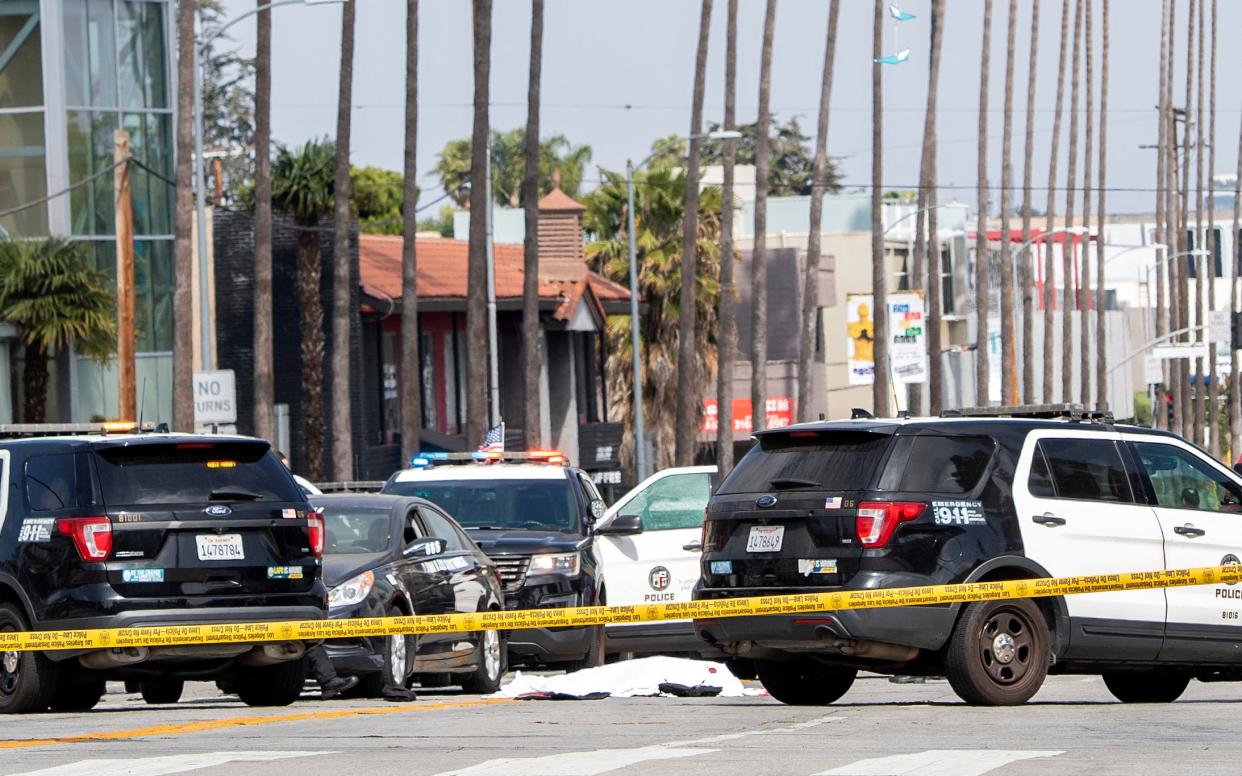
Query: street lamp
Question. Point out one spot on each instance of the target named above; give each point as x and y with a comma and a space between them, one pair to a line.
199, 195
641, 464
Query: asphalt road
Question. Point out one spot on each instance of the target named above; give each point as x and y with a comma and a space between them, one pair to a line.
878, 729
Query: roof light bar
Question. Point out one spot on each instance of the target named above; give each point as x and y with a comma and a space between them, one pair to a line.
425, 460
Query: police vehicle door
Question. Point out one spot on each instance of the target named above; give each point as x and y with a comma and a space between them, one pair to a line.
1078, 515
1199, 504
653, 566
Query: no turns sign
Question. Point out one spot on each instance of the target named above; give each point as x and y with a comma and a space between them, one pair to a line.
215, 397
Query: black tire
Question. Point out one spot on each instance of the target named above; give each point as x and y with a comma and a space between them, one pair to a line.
27, 679
161, 691
81, 695
742, 667
804, 682
594, 657
435, 681
492, 664
999, 653
1146, 686
278, 685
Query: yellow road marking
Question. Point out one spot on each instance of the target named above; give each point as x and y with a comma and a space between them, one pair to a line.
231, 722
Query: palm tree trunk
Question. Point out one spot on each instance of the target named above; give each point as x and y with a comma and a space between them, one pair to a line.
477, 416
1026, 268
342, 262
183, 318
532, 332
1188, 429
759, 259
1201, 279
1214, 440
1159, 415
982, 258
1235, 389
264, 390
688, 361
1071, 242
1050, 210
726, 335
410, 382
810, 284
927, 187
34, 383
879, 262
1101, 340
1174, 236
310, 307
1009, 362
1084, 294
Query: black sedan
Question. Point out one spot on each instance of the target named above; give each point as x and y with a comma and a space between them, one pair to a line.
393, 555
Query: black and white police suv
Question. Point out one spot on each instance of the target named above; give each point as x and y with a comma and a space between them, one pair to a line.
996, 494
101, 530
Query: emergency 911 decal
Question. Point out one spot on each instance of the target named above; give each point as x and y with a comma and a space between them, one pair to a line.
958, 512
36, 529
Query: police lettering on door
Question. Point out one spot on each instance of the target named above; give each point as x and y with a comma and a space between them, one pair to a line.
659, 579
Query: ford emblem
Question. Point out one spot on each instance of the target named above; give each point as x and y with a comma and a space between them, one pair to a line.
765, 501
219, 511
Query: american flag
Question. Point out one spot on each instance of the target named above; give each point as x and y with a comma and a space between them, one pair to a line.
494, 439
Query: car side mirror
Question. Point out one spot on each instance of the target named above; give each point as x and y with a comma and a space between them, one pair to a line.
426, 547
622, 525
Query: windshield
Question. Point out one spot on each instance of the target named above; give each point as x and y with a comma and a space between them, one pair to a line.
193, 473
809, 460
356, 531
535, 505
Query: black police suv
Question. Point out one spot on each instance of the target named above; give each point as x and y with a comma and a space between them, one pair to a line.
1001, 495
533, 515
100, 531
392, 556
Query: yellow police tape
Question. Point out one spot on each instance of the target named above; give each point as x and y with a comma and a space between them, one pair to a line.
314, 630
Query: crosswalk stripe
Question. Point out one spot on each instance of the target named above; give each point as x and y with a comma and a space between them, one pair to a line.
159, 766
938, 762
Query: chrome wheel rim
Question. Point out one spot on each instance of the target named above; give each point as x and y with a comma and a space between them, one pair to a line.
10, 672
397, 659
491, 654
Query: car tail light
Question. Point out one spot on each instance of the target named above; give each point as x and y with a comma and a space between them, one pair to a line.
877, 520
92, 536
315, 532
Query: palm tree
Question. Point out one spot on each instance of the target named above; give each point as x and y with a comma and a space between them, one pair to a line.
759, 259
342, 262
532, 334
1202, 280
981, 229
1067, 258
1214, 439
1235, 389
687, 348
1025, 270
1084, 294
810, 292
1050, 208
54, 296
302, 186
1174, 236
659, 216
557, 157
183, 318
879, 274
927, 185
477, 415
410, 384
726, 338
1101, 372
1188, 429
1009, 361
1159, 416
264, 385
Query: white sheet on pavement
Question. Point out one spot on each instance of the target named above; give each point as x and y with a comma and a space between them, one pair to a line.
630, 678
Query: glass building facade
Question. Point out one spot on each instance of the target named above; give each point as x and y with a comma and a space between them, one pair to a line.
72, 72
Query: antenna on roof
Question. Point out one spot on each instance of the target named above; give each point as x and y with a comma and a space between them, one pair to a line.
142, 402
858, 413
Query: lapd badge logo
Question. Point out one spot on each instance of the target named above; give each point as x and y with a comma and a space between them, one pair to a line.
1230, 560
659, 579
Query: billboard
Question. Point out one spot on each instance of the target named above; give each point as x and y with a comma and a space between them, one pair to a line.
779, 414
907, 347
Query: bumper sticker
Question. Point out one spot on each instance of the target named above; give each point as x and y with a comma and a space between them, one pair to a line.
809, 566
142, 575
958, 512
722, 567
284, 572
36, 529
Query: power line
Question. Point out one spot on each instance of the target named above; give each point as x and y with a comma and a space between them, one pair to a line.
66, 190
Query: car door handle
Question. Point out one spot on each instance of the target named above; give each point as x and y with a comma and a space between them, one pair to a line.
695, 546
1049, 520
1188, 530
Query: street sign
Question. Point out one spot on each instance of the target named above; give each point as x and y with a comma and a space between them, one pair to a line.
1187, 350
1219, 327
1153, 370
215, 397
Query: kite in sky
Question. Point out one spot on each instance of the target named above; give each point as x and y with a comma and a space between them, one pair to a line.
894, 59
902, 55
899, 14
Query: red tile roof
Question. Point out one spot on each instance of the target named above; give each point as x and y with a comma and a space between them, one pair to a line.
559, 200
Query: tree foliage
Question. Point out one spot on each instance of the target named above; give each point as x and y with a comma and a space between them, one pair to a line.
302, 180
228, 101
556, 156
377, 196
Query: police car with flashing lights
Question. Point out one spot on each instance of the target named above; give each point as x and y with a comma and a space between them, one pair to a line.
994, 494
533, 515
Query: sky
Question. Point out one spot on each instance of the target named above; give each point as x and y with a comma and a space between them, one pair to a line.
619, 74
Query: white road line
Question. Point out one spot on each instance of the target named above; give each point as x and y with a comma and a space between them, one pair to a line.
605, 760
159, 766
938, 762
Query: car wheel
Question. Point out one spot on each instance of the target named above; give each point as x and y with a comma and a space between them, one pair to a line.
1146, 686
161, 691
435, 681
278, 685
741, 667
594, 656
998, 654
27, 679
804, 682
81, 695
486, 680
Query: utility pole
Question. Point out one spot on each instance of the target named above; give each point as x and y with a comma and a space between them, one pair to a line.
127, 402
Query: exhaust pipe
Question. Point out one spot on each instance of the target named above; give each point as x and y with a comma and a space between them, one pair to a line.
876, 650
116, 657
271, 654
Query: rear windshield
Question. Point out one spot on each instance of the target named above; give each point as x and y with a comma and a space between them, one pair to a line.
809, 460
193, 473
937, 464
355, 530
535, 505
